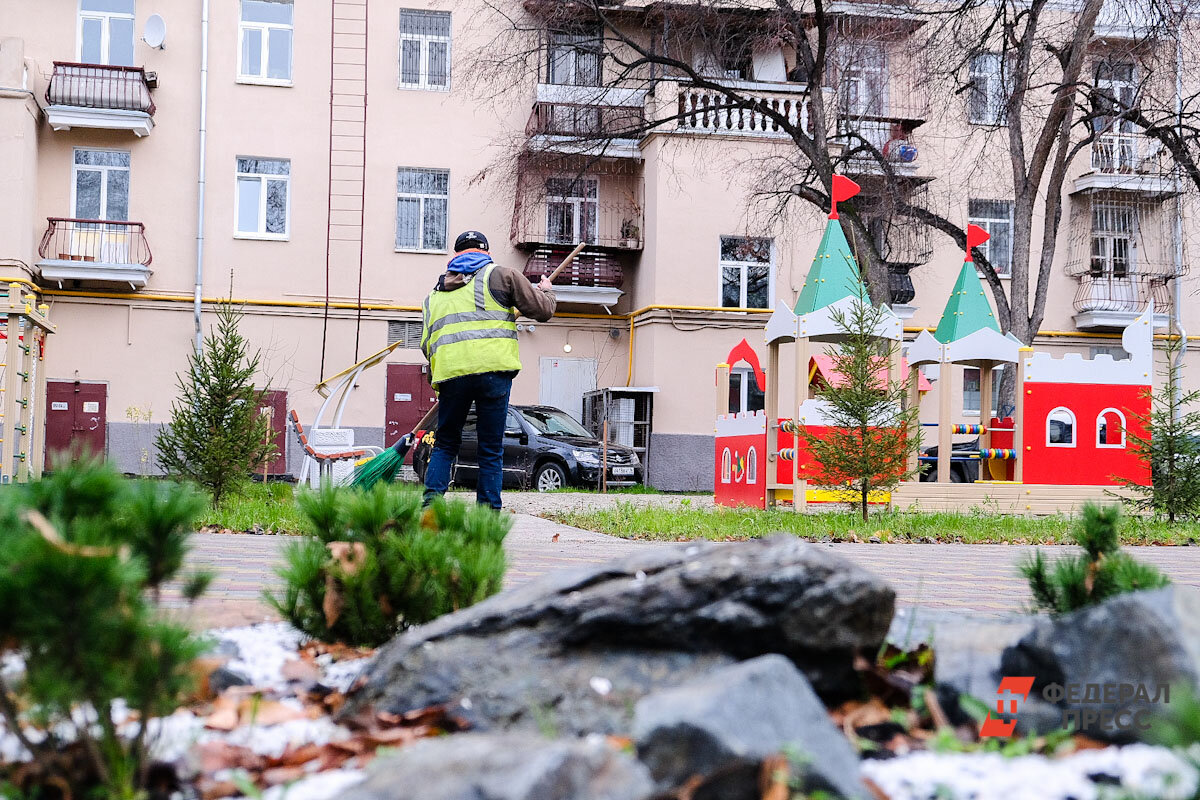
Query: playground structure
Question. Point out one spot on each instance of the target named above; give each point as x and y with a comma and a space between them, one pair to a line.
22, 383
1066, 442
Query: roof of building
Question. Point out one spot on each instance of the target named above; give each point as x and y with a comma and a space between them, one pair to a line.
821, 368
967, 310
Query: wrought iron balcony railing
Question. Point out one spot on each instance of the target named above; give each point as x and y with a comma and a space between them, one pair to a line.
101, 242
99, 86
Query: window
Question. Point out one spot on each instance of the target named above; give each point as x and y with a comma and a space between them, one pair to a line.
1117, 353
424, 50
1060, 428
747, 276
263, 197
1115, 148
100, 185
573, 59
572, 210
105, 34
744, 394
422, 201
995, 217
1112, 240
987, 99
1110, 428
862, 78
265, 35
972, 390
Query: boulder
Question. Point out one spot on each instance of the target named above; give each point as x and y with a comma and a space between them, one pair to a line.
574, 651
1142, 641
509, 766
723, 725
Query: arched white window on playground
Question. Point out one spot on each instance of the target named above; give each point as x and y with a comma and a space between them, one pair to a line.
726, 466
1110, 428
1060, 428
752, 466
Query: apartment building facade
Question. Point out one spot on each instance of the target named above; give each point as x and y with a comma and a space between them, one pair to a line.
314, 161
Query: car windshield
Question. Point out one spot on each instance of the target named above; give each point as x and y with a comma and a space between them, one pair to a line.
553, 423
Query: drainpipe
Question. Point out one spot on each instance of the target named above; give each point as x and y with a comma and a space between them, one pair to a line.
200, 176
1178, 230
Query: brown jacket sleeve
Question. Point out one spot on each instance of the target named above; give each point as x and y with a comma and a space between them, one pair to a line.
511, 288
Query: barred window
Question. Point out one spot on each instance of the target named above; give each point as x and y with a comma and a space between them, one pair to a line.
424, 50
263, 197
422, 206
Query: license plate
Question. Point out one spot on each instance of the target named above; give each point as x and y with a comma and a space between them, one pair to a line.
622, 470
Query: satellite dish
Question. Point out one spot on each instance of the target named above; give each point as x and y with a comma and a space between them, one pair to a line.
155, 31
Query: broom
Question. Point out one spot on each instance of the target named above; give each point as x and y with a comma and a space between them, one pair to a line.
386, 465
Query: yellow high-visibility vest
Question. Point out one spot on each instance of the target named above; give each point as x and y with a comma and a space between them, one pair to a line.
466, 332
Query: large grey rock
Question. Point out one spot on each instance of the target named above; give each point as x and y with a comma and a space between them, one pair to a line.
511, 766
574, 651
1143, 639
723, 725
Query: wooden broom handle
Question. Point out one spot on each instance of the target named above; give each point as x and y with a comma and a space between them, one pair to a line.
566, 262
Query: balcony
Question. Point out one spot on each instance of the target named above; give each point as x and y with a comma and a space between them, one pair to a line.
1127, 162
582, 129
709, 111
594, 277
95, 251
1109, 302
99, 96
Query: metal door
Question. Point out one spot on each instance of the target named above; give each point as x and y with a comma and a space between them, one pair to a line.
274, 403
564, 382
409, 398
76, 418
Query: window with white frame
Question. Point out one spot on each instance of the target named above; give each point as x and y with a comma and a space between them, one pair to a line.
747, 273
424, 50
987, 99
1113, 229
422, 209
265, 41
744, 394
263, 198
862, 78
1116, 145
100, 184
105, 34
1110, 428
1060, 428
572, 210
973, 391
995, 217
574, 58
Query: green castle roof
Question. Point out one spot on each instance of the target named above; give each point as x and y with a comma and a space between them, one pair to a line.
967, 310
834, 273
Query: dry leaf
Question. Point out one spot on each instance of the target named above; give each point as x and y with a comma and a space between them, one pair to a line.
224, 716
554, 538
278, 775
268, 712
300, 669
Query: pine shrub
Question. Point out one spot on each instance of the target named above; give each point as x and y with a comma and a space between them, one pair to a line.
83, 555
1100, 572
217, 437
373, 563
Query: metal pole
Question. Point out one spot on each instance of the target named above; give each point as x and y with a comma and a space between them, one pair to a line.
1177, 233
201, 174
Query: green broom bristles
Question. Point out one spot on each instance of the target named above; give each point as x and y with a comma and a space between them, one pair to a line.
382, 467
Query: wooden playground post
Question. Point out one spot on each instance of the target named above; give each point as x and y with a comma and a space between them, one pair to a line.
914, 401
945, 435
799, 483
772, 412
722, 389
38, 450
1019, 417
985, 410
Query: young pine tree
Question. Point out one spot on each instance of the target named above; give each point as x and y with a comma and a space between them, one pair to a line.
870, 439
1171, 447
216, 436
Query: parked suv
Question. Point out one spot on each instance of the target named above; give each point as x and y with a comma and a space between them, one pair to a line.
544, 449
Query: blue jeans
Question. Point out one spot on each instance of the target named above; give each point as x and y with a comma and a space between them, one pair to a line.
489, 392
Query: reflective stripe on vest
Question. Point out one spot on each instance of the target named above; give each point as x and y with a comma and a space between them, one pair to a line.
469, 333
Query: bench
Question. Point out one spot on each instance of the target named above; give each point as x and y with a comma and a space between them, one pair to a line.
325, 461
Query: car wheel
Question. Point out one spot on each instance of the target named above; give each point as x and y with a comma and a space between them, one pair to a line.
548, 477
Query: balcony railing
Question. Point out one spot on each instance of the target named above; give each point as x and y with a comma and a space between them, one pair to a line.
1123, 294
586, 122
711, 111
591, 268
96, 241
567, 220
99, 86
1125, 153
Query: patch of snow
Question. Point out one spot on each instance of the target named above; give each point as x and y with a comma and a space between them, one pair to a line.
262, 651
1142, 770
341, 675
273, 740
320, 786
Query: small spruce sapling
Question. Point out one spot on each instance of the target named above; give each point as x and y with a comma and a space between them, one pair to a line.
217, 437
1100, 572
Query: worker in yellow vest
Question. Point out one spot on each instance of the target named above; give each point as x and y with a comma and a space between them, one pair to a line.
469, 335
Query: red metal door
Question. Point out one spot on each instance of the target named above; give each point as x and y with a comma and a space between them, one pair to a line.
274, 403
76, 418
409, 397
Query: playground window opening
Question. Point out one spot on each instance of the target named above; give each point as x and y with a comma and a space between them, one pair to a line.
1060, 428
747, 272
744, 394
971, 390
1110, 429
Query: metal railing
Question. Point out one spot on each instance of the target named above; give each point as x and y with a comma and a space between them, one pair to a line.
586, 122
590, 267
564, 220
99, 86
1127, 293
1124, 153
711, 111
98, 241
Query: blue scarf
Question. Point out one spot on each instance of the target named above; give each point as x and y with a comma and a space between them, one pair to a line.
469, 262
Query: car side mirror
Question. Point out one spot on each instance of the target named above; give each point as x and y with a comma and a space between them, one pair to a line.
515, 434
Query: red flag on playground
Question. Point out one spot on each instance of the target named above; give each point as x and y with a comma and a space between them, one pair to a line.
975, 237
843, 189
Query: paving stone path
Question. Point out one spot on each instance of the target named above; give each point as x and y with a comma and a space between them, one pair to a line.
978, 578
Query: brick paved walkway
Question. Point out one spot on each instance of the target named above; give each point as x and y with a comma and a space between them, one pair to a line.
977, 578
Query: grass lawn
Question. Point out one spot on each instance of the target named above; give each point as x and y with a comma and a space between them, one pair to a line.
684, 524
271, 506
